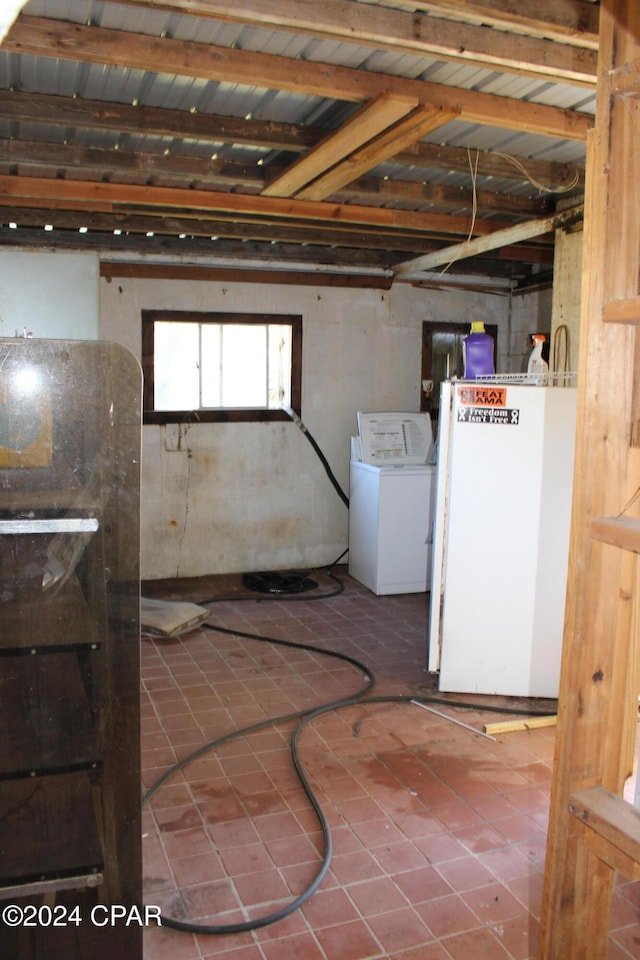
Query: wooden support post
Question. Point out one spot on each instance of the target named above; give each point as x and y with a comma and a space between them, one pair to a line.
598, 687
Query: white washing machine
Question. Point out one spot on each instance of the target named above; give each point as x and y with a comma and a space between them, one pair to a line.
391, 502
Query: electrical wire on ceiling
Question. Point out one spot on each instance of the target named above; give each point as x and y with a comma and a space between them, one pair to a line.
517, 163
474, 204
543, 188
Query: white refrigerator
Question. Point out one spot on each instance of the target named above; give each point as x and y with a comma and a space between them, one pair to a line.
501, 537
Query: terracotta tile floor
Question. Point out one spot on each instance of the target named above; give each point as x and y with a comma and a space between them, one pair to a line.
438, 834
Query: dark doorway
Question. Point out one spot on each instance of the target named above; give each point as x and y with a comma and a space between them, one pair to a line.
442, 358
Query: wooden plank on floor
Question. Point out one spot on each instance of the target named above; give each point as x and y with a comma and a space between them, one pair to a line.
522, 723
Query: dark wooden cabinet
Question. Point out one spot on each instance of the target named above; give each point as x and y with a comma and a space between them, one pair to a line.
70, 837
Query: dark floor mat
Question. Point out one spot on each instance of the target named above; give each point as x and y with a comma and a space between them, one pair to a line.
228, 586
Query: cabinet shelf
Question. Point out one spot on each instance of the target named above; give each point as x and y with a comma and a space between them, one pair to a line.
48, 829
65, 498
70, 826
35, 692
41, 621
31, 525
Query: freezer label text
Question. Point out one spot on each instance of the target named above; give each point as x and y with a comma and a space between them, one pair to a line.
499, 415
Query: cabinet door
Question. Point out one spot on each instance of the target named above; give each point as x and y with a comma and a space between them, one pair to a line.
69, 639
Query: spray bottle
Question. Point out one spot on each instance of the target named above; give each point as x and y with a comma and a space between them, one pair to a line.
537, 366
477, 352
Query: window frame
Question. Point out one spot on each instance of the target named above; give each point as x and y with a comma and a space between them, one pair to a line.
223, 414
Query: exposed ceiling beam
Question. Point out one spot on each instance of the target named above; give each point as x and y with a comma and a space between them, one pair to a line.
156, 121
437, 194
514, 234
171, 253
232, 242
115, 199
409, 32
109, 197
182, 124
371, 119
350, 242
27, 156
572, 21
345, 163
172, 220
422, 121
275, 274
77, 42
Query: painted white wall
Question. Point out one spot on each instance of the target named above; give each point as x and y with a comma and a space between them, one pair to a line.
530, 313
219, 498
252, 496
49, 294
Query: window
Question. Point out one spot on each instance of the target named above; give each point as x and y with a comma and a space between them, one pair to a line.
220, 366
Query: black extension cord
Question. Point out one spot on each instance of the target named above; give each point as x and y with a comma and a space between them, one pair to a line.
304, 717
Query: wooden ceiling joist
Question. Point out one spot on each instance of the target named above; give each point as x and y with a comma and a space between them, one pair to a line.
384, 147
71, 41
514, 234
571, 21
230, 243
187, 176
370, 120
36, 191
344, 239
411, 32
156, 121
220, 274
191, 126
187, 171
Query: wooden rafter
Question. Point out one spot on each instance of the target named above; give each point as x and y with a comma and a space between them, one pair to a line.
192, 168
343, 161
572, 21
411, 32
18, 191
77, 42
189, 171
369, 121
190, 272
344, 238
183, 124
469, 248
418, 124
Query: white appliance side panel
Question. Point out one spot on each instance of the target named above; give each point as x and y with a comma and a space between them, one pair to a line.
553, 552
363, 523
404, 518
439, 527
491, 549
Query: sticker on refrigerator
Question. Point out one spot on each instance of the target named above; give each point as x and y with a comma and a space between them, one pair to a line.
482, 396
499, 415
